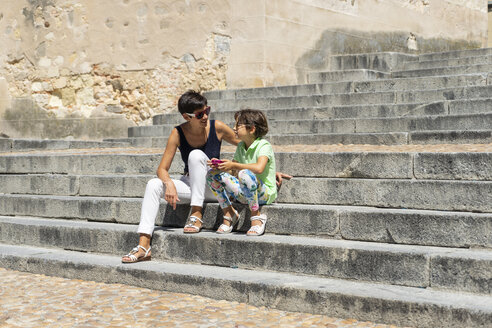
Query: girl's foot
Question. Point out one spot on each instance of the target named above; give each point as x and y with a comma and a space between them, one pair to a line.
229, 222
258, 223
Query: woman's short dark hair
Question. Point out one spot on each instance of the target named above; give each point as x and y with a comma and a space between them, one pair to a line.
253, 117
190, 101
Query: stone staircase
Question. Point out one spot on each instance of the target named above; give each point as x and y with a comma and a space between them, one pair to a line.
393, 237
381, 99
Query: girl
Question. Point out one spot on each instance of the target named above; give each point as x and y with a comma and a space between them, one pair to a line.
254, 163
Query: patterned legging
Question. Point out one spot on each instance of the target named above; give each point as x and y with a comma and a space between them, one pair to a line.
246, 188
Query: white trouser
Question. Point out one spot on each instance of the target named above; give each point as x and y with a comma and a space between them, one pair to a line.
191, 188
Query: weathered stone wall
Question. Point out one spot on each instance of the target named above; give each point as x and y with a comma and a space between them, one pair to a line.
123, 61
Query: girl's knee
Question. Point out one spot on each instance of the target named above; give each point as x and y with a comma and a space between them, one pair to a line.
246, 176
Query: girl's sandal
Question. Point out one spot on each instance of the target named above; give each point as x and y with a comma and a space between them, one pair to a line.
258, 230
131, 258
224, 228
191, 225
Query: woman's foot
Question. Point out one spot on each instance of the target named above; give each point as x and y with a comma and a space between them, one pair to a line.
194, 225
137, 254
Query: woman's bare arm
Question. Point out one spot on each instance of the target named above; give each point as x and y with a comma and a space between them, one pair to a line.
224, 132
171, 195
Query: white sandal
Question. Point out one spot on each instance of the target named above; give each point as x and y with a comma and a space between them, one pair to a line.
192, 219
257, 230
133, 258
224, 228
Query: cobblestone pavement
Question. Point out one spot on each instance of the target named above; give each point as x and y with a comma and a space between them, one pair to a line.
34, 300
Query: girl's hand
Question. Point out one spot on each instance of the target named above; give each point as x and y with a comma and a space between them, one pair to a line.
226, 165
171, 195
209, 162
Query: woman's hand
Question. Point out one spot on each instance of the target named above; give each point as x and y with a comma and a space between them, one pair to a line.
171, 195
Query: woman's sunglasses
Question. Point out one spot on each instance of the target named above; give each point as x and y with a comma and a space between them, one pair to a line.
200, 114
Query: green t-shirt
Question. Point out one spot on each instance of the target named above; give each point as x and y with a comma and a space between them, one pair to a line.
260, 147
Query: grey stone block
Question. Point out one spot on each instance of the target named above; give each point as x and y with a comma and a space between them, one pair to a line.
443, 71
391, 138
420, 83
422, 96
417, 227
479, 91
470, 106
453, 166
69, 235
150, 131
113, 186
5, 144
425, 123
380, 111
470, 273
47, 144
346, 164
476, 60
471, 196
383, 62
328, 258
46, 184
346, 75
364, 301
450, 137
84, 164
169, 118
87, 208
455, 54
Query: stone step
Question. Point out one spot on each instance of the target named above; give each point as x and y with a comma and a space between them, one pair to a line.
455, 54
387, 138
347, 75
359, 111
447, 195
450, 137
400, 84
367, 165
455, 107
391, 138
396, 226
443, 71
400, 305
381, 61
406, 265
13, 144
360, 98
466, 61
482, 121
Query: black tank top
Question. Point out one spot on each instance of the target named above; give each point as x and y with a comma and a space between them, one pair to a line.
211, 148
